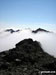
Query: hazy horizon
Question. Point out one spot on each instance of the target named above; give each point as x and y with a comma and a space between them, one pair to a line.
28, 14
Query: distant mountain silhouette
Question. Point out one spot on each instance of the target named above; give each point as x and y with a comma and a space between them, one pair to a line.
39, 29
33, 31
27, 57
11, 30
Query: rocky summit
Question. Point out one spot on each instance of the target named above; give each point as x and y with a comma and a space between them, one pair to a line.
27, 58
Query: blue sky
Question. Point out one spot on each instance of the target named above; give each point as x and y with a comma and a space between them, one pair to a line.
28, 13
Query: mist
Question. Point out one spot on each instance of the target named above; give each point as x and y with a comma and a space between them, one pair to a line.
47, 40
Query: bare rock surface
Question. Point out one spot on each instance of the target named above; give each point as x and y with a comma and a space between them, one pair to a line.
27, 58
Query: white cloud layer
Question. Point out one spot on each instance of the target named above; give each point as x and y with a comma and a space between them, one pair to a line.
47, 40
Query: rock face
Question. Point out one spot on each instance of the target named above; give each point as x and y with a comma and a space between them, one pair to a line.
28, 58
39, 29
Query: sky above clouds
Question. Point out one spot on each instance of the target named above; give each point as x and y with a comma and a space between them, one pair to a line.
28, 13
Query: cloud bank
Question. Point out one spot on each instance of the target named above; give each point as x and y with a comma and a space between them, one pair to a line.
47, 40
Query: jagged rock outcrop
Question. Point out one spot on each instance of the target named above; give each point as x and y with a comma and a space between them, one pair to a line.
28, 58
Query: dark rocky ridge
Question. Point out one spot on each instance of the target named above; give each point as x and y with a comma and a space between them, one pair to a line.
28, 58
39, 29
33, 31
11, 30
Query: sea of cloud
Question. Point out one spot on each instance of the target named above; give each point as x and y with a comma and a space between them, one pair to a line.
47, 40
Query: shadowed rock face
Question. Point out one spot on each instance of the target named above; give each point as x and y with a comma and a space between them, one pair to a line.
28, 58
39, 29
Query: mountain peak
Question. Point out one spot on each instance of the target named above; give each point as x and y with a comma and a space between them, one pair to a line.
11, 30
39, 29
